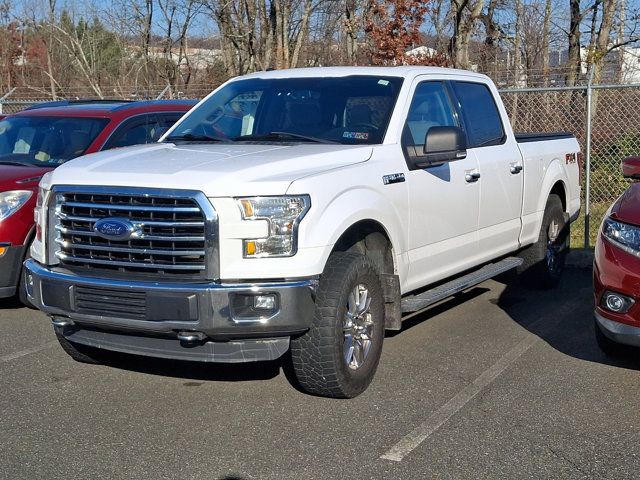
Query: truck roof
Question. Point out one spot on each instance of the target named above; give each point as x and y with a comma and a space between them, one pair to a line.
399, 71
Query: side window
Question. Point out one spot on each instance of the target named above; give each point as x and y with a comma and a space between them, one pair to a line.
135, 131
481, 117
166, 121
430, 107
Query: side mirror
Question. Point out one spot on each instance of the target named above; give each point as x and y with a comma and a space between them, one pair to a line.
631, 168
441, 145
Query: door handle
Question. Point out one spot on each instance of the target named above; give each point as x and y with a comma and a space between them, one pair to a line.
515, 168
471, 177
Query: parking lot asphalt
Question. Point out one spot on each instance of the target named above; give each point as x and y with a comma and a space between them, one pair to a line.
499, 382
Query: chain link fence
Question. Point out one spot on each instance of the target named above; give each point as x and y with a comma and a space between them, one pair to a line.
17, 99
608, 134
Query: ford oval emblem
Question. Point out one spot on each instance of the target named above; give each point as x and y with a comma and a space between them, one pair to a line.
117, 229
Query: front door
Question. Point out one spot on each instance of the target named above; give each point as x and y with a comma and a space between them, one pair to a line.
443, 200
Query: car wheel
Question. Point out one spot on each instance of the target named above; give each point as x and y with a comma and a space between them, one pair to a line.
339, 355
543, 263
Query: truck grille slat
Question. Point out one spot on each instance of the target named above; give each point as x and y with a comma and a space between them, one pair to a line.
107, 261
151, 223
88, 233
107, 248
171, 236
142, 208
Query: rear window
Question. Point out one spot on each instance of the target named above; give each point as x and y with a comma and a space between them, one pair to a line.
480, 113
46, 140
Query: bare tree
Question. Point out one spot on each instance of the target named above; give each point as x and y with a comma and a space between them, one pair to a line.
260, 34
465, 14
574, 62
546, 41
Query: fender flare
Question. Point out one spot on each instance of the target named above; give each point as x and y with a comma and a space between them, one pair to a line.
554, 174
329, 224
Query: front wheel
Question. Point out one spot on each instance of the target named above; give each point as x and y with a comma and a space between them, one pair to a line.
339, 355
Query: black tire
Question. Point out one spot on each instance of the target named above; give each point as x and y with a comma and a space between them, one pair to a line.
544, 260
320, 356
80, 353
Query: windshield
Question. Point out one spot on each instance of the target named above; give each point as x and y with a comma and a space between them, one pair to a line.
347, 110
46, 140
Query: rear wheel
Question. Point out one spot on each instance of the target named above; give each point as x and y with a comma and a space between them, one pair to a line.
544, 260
339, 355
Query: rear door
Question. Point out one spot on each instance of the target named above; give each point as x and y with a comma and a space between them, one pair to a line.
500, 166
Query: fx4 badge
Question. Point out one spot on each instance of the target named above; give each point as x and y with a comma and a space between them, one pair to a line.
393, 178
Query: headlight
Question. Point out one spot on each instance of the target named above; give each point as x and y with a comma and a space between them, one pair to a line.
625, 236
38, 247
10, 202
283, 214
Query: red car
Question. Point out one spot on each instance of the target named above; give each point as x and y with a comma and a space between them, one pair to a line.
616, 269
38, 139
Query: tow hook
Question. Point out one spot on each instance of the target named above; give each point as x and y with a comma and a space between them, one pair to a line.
191, 337
62, 322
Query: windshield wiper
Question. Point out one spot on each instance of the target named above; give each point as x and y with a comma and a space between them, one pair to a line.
272, 136
190, 137
21, 164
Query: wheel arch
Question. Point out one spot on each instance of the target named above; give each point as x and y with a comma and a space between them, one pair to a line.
559, 188
370, 238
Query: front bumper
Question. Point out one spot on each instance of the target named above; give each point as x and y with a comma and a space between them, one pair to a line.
617, 271
618, 332
153, 319
10, 268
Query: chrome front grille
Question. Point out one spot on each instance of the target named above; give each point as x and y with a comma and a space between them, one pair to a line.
176, 231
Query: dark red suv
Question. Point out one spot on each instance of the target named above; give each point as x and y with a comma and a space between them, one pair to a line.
42, 137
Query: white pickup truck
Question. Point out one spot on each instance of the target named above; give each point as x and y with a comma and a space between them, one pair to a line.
302, 212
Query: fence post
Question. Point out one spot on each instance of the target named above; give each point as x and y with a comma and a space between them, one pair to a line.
4, 97
587, 195
162, 94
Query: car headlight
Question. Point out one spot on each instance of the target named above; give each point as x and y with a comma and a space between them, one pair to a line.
10, 202
625, 236
283, 214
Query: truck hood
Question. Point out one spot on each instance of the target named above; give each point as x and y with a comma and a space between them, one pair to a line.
627, 208
218, 170
15, 177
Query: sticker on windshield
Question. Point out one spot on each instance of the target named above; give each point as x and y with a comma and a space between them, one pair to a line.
356, 135
383, 82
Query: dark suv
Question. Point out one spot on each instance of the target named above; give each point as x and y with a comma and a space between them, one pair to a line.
44, 136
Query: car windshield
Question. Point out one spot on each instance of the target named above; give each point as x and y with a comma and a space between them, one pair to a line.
346, 110
36, 140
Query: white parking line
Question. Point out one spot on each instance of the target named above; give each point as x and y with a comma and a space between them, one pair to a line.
27, 351
444, 413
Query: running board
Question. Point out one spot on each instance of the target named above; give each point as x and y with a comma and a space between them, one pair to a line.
423, 300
